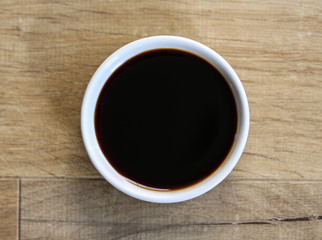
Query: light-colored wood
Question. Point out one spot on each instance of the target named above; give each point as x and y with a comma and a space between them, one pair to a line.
310, 230
82, 209
49, 50
9, 205
48, 53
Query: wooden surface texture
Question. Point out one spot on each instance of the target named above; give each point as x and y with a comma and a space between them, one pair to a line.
50, 49
9, 208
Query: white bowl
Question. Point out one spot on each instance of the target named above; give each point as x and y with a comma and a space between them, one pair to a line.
96, 84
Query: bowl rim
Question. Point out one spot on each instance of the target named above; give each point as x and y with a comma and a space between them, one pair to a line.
101, 76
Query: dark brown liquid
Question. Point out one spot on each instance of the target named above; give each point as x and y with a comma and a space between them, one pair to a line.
166, 119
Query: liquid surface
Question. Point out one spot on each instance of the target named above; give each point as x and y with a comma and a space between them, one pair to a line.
166, 119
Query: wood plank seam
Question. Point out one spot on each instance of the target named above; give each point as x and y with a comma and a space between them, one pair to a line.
268, 221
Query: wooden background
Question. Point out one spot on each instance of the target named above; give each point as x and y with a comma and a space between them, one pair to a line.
48, 53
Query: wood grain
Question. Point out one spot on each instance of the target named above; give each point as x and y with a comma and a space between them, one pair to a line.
82, 209
49, 50
9, 205
310, 230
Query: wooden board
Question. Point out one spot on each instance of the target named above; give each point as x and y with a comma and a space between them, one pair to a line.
49, 50
81, 209
310, 230
9, 209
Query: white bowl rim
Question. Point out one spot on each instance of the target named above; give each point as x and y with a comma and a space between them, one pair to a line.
97, 82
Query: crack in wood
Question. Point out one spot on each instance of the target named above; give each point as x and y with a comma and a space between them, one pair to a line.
299, 219
269, 221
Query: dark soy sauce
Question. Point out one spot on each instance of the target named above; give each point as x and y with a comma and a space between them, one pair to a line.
166, 119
